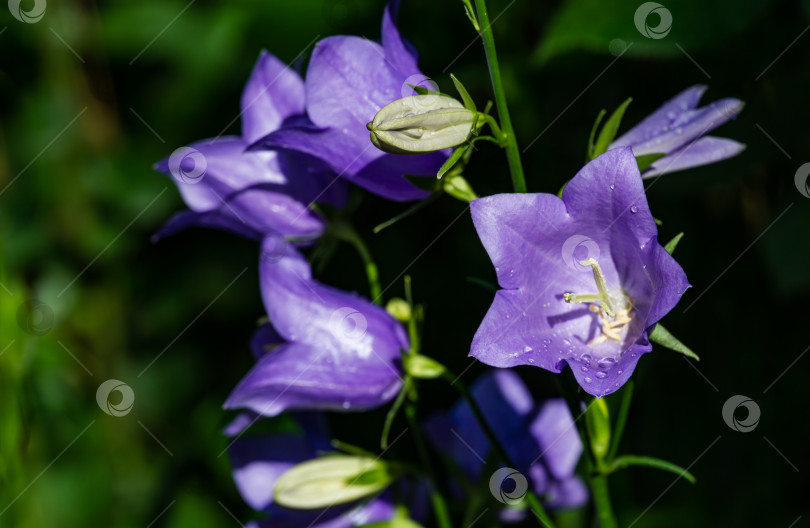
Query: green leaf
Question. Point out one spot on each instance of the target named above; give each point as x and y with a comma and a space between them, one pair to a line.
468, 9
452, 160
423, 367
662, 336
625, 461
610, 129
608, 27
672, 244
592, 137
645, 160
414, 208
469, 104
324, 482
392, 413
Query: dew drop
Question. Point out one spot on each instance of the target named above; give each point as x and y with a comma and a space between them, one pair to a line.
531, 360
546, 341
634, 209
606, 363
601, 375
584, 368
587, 379
612, 186
527, 348
586, 358
679, 131
670, 115
620, 371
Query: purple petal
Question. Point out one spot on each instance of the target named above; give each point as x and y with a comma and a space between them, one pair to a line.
377, 510
569, 493
273, 93
213, 219
557, 437
669, 281
661, 120
705, 150
400, 54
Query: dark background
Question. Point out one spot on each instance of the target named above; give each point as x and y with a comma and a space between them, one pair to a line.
83, 193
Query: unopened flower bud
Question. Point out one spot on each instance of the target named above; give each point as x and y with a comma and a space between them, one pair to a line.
421, 123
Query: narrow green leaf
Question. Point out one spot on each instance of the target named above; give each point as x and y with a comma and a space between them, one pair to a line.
662, 336
645, 160
625, 461
421, 90
411, 210
672, 244
468, 9
610, 129
452, 160
592, 137
469, 104
392, 414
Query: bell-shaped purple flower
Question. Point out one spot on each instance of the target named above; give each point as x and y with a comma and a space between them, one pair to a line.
583, 277
677, 129
253, 193
540, 438
333, 350
258, 462
349, 79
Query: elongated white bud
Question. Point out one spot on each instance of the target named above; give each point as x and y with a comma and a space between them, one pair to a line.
421, 123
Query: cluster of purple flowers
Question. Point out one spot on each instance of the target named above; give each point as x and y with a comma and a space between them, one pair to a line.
583, 277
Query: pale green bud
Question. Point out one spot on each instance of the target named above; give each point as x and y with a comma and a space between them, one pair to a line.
399, 309
421, 123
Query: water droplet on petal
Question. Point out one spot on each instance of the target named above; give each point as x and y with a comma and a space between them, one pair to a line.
584, 368
612, 186
531, 360
634, 209
671, 115
606, 363
679, 131
586, 358
601, 375
587, 379
546, 341
527, 348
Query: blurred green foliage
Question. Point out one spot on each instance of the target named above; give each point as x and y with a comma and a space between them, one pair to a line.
96, 92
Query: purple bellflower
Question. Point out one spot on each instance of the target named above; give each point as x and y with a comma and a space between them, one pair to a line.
540, 438
349, 79
584, 278
333, 350
253, 193
258, 462
677, 129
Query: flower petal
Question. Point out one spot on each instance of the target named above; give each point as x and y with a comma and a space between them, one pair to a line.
399, 53
273, 93
558, 438
661, 120
705, 150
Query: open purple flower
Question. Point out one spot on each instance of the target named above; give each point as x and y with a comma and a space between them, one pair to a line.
334, 350
349, 79
677, 129
540, 438
584, 278
258, 462
253, 193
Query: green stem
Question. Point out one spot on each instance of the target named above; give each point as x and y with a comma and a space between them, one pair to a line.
439, 504
512, 151
531, 497
601, 498
345, 232
621, 420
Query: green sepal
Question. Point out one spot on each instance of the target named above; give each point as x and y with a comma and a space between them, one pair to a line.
645, 461
421, 90
645, 160
672, 244
592, 137
610, 129
422, 367
469, 104
657, 221
452, 160
459, 188
661, 336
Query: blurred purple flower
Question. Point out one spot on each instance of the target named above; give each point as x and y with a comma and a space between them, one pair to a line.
540, 438
258, 462
331, 350
677, 129
540, 246
349, 79
253, 193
